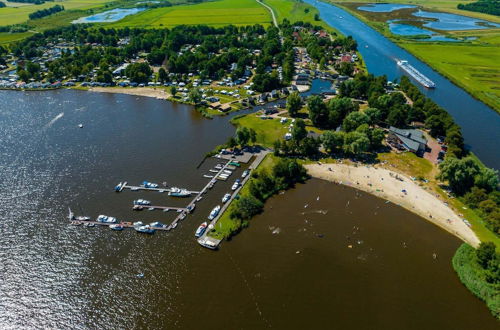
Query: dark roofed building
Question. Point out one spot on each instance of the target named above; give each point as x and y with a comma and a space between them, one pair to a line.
410, 139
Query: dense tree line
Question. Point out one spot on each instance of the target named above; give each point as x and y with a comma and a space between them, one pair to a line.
491, 7
46, 12
284, 175
206, 51
479, 271
437, 120
2, 4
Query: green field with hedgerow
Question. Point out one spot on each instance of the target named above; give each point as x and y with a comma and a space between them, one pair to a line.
214, 13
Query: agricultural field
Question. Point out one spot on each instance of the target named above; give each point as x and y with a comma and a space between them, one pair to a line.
294, 10
18, 13
6, 38
473, 66
216, 13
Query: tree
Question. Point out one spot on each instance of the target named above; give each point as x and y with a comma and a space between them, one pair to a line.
242, 135
487, 179
138, 72
374, 115
459, 173
299, 131
246, 207
294, 104
162, 75
356, 143
318, 113
333, 141
173, 91
354, 120
475, 196
195, 95
338, 109
484, 253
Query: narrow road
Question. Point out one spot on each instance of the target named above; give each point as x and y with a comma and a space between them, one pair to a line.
275, 21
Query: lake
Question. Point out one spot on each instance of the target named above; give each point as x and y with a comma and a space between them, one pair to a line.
479, 122
112, 15
336, 253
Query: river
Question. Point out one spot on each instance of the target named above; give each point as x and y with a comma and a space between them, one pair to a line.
480, 124
54, 275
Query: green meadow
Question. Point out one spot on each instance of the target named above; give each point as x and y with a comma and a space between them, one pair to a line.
473, 66
216, 13
17, 15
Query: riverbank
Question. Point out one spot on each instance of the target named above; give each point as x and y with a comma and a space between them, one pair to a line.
403, 192
161, 94
457, 61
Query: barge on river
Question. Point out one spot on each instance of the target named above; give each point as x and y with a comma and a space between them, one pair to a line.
415, 74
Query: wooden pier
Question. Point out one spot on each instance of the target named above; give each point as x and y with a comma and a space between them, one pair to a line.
163, 208
124, 224
138, 188
210, 242
191, 205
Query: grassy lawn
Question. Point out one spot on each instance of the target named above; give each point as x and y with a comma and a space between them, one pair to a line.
225, 226
17, 15
268, 130
474, 67
216, 13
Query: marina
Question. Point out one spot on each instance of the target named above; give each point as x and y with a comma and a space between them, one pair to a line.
142, 204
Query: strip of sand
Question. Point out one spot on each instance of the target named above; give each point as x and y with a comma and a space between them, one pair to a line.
139, 91
400, 190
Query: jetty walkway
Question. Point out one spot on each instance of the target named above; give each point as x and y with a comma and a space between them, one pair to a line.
205, 239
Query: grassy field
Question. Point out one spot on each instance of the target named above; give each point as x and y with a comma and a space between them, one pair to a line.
294, 10
268, 130
17, 15
6, 38
216, 13
474, 67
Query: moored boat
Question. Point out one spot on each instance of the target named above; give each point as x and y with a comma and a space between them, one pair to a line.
142, 202
116, 226
226, 198
177, 192
146, 229
201, 229
147, 184
214, 212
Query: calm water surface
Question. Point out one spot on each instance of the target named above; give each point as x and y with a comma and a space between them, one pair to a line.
54, 275
109, 16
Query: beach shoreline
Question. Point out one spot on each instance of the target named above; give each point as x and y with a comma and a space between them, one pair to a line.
138, 91
398, 189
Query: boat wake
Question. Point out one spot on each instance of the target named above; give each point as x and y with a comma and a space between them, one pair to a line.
56, 118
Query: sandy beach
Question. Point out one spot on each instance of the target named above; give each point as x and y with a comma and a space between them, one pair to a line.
139, 91
400, 190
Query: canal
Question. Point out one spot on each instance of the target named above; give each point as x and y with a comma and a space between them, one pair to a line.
321, 255
480, 124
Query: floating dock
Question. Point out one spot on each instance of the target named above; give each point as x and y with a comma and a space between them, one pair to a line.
138, 188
